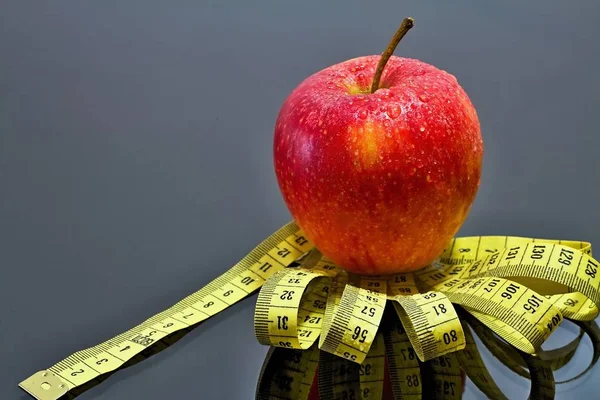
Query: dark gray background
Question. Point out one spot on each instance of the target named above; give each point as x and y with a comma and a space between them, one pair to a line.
135, 158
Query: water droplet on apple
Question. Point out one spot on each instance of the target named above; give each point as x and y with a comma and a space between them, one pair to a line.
360, 76
387, 122
394, 110
363, 114
422, 128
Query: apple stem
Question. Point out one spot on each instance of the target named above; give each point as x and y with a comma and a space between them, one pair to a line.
405, 26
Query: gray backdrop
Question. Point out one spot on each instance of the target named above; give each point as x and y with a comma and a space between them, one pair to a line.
135, 158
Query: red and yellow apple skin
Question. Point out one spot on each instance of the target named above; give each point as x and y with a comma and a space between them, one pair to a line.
380, 182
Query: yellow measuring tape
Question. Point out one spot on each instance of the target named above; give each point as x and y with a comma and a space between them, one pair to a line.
322, 321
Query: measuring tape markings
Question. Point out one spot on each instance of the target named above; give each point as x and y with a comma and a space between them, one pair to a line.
431, 323
442, 378
429, 318
498, 299
403, 363
334, 296
466, 249
274, 253
354, 318
547, 263
552, 262
311, 311
372, 370
575, 306
339, 378
551, 271
284, 314
286, 374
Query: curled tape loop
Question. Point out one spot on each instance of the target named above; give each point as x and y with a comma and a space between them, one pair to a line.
353, 322
431, 323
512, 310
289, 311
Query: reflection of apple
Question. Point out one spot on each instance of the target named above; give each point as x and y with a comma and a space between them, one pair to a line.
381, 181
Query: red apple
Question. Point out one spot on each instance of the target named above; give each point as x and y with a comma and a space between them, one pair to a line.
380, 182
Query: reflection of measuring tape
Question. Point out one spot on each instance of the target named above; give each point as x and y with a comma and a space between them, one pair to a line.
520, 288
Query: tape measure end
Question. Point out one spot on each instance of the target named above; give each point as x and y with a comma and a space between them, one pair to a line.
44, 385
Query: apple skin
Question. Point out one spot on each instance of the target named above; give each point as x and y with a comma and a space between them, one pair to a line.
380, 182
